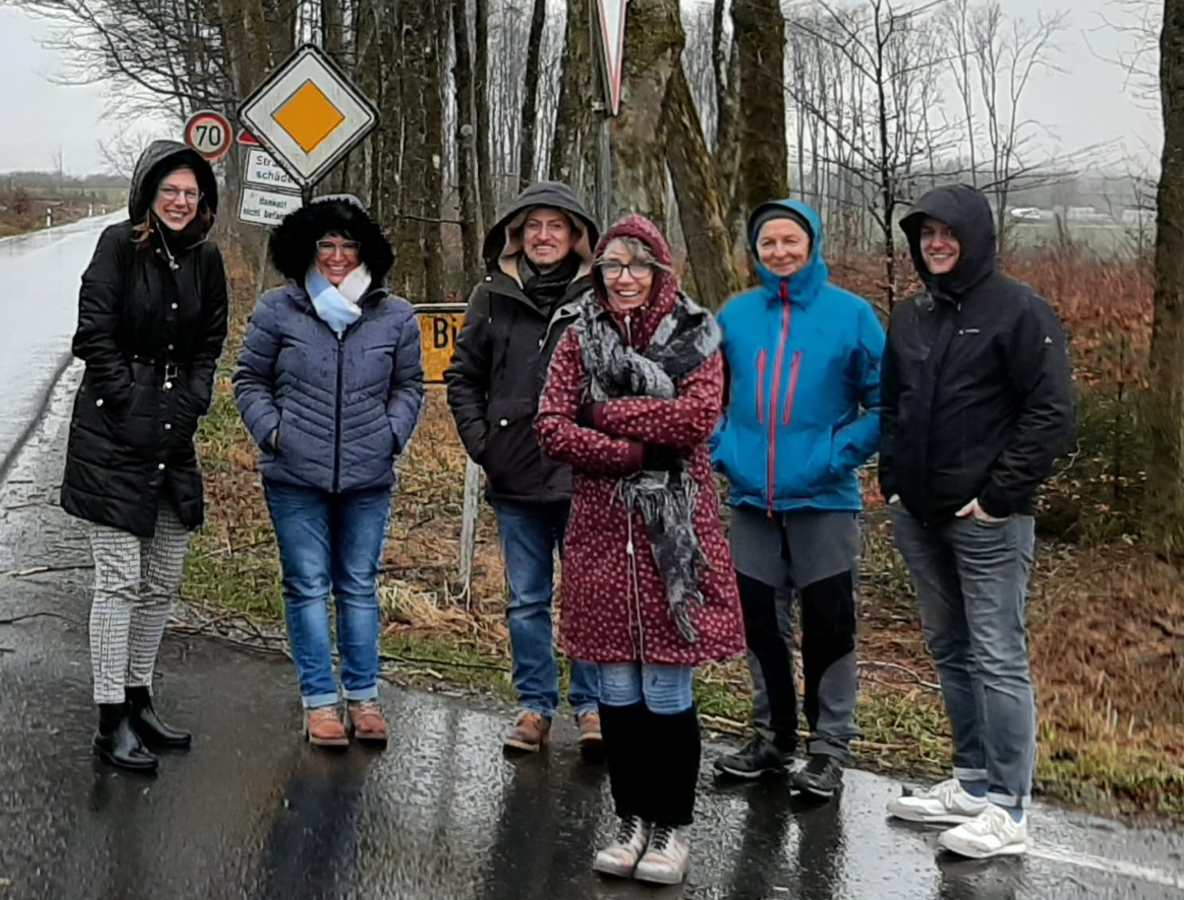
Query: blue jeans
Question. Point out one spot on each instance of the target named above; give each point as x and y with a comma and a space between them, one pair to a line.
529, 534
972, 580
331, 541
666, 690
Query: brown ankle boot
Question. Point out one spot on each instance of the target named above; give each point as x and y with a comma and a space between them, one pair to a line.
323, 727
530, 733
366, 721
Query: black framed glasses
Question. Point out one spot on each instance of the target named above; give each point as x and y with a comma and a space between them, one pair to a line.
612, 270
329, 248
171, 194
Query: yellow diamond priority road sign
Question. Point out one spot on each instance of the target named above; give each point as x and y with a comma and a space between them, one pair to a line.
308, 114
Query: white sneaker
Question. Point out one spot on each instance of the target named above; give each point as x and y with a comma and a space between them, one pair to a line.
991, 833
666, 859
620, 857
946, 802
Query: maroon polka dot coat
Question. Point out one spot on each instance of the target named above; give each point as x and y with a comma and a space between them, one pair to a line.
614, 604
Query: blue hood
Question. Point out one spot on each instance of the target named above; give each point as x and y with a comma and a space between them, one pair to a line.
802, 286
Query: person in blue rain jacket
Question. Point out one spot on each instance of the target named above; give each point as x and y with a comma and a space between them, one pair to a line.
802, 360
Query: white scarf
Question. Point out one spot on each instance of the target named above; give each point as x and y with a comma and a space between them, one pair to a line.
337, 306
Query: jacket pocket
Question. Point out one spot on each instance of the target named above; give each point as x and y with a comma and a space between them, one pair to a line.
761, 366
793, 377
803, 463
512, 456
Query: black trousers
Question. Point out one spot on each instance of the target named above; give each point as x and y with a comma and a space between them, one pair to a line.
827, 646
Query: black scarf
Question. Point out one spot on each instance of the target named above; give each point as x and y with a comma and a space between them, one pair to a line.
683, 340
546, 288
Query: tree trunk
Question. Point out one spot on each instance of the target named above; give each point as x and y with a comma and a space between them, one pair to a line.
709, 245
1163, 514
529, 100
758, 32
468, 172
483, 119
573, 154
406, 89
654, 42
435, 22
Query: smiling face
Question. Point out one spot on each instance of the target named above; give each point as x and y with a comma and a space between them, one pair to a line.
628, 276
337, 257
783, 247
177, 199
547, 236
939, 247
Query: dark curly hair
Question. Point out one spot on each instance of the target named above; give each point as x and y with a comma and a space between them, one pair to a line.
293, 242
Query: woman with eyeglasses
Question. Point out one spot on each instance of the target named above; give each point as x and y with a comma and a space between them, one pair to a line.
152, 314
329, 384
648, 590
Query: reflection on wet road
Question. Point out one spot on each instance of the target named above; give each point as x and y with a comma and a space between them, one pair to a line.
40, 277
252, 812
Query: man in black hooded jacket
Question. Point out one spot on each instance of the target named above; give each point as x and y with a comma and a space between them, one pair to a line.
538, 255
976, 405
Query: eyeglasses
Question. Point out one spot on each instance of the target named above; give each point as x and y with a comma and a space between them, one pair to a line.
612, 270
329, 248
171, 194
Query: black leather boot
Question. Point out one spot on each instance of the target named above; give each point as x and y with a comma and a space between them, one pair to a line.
118, 744
149, 727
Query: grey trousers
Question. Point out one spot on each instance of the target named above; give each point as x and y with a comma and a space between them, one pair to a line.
972, 581
135, 581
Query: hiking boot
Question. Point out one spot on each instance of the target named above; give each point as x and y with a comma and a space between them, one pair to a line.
621, 856
366, 721
758, 758
530, 732
666, 858
590, 741
822, 777
323, 727
944, 803
991, 833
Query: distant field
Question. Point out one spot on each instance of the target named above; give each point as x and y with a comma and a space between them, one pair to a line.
1105, 240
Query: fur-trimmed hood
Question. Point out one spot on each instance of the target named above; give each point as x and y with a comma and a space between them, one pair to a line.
293, 242
503, 244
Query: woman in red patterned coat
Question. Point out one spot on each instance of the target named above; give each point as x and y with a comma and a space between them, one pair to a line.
648, 588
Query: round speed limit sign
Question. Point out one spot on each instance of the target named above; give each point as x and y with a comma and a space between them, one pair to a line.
209, 134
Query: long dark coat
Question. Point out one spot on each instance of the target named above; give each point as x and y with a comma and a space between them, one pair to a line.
152, 320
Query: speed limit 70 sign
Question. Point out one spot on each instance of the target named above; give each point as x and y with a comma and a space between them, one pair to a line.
209, 134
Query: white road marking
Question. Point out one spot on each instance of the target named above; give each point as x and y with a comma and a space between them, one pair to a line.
1110, 866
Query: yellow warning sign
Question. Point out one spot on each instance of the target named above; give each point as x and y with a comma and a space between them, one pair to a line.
440, 325
308, 116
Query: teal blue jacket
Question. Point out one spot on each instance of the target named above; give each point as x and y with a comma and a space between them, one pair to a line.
802, 361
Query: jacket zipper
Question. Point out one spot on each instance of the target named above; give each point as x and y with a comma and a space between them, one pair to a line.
634, 596
563, 312
776, 375
337, 415
762, 377
791, 394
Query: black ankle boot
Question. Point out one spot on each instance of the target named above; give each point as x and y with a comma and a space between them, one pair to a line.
150, 728
118, 744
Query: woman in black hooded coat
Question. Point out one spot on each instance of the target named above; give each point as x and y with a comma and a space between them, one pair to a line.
153, 309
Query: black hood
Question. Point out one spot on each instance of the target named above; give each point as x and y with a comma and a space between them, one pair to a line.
160, 159
545, 193
293, 242
967, 211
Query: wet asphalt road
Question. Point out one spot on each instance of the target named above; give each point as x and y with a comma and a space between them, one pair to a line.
252, 812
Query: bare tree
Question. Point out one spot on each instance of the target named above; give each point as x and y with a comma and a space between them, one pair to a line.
758, 30
483, 118
1164, 479
467, 170
530, 95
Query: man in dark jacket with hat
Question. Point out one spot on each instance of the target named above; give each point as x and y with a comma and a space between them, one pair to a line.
538, 255
976, 406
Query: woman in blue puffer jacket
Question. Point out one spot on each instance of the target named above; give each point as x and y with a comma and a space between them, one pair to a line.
330, 385
802, 358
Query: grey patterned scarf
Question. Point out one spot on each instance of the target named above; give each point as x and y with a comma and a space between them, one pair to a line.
683, 340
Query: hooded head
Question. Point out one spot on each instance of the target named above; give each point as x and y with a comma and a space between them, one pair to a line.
293, 242
146, 206
505, 242
625, 242
969, 215
788, 217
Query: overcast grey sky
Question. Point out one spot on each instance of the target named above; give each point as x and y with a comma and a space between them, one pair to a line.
1088, 104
